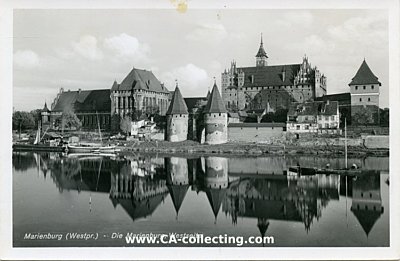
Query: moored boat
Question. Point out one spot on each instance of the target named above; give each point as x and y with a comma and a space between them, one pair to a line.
37, 147
84, 148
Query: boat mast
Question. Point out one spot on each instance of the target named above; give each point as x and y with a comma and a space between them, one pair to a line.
98, 124
345, 143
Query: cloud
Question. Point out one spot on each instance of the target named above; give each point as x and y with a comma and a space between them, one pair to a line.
26, 59
87, 48
208, 32
192, 80
367, 30
128, 47
296, 18
312, 44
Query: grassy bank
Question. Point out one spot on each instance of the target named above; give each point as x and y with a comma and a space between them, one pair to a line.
251, 149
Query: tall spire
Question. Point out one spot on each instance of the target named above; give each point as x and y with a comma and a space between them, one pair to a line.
261, 56
261, 52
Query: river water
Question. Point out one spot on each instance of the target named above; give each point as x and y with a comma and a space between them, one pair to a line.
108, 197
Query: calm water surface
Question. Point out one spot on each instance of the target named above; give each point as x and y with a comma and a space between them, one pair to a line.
245, 197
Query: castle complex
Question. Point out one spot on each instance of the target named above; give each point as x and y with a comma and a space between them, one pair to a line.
270, 86
258, 90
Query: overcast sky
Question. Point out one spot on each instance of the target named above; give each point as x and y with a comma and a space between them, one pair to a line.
89, 49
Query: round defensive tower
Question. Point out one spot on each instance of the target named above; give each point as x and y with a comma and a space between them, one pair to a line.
177, 118
215, 119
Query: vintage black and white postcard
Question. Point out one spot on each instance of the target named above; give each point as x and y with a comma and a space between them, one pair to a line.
199, 130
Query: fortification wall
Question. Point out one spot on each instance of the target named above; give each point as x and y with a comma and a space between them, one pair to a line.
255, 134
376, 142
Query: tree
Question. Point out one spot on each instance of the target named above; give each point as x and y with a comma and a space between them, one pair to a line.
115, 122
22, 120
279, 116
37, 115
384, 117
68, 120
126, 124
362, 116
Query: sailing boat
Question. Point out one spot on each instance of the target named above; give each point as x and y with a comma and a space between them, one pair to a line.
92, 148
37, 145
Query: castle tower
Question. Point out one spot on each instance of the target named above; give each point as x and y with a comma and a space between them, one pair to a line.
261, 56
364, 91
215, 119
177, 118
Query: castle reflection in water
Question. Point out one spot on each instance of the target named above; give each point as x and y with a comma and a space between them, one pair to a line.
244, 187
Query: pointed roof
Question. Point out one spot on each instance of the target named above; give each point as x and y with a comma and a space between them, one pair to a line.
261, 52
45, 109
366, 218
215, 197
178, 194
177, 105
215, 103
364, 75
139, 79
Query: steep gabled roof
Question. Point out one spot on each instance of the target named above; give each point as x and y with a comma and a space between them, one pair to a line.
96, 100
177, 105
215, 103
364, 75
138, 79
79, 101
271, 75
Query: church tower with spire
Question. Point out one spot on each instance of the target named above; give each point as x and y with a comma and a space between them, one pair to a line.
177, 118
261, 56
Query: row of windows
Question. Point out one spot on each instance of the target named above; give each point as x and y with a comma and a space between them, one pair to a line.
307, 87
369, 99
326, 118
92, 119
365, 87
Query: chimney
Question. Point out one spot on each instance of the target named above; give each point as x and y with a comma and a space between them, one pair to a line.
283, 75
79, 90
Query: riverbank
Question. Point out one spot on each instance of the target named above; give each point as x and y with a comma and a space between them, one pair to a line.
251, 149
